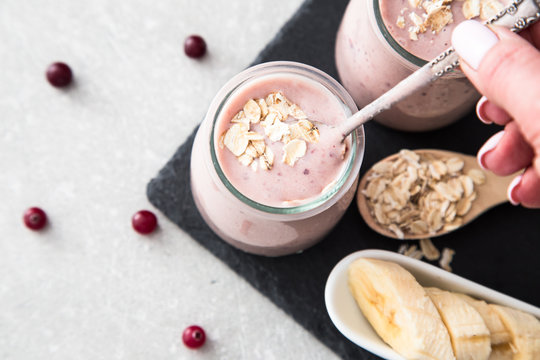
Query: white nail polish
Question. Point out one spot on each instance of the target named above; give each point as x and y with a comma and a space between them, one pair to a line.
515, 182
488, 146
479, 105
472, 41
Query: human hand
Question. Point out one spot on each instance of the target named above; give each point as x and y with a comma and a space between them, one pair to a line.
505, 68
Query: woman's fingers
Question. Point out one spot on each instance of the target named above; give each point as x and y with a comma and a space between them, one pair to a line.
490, 113
506, 69
525, 189
506, 152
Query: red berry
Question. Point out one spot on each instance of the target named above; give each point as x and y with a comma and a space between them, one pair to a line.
195, 46
193, 337
59, 74
34, 218
144, 221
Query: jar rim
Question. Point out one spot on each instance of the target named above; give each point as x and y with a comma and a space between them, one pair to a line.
323, 201
390, 39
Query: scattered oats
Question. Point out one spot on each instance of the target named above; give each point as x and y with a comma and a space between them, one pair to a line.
451, 226
413, 252
429, 250
471, 8
267, 159
259, 146
402, 249
297, 113
263, 106
419, 227
400, 22
252, 111
490, 8
454, 165
235, 139
272, 118
396, 230
413, 34
416, 19
446, 259
409, 156
251, 151
418, 255
438, 16
477, 176
468, 185
463, 206
277, 131
309, 132
241, 118
414, 3
437, 169
293, 150
245, 159
253, 136
253, 166
383, 167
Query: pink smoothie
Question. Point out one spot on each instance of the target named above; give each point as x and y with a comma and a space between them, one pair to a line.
429, 43
369, 65
285, 209
285, 185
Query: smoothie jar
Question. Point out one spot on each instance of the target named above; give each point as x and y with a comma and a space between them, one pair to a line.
371, 59
249, 210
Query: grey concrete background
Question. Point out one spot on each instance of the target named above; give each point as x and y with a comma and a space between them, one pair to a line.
89, 287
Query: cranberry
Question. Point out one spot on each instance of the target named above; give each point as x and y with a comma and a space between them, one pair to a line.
34, 218
144, 221
193, 337
59, 74
195, 46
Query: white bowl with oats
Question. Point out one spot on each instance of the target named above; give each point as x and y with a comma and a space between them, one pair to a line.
349, 319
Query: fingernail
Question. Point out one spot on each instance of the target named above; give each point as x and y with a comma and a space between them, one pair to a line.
480, 111
472, 41
488, 146
510, 193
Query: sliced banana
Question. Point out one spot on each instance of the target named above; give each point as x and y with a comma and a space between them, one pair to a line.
399, 309
468, 332
501, 352
524, 330
498, 333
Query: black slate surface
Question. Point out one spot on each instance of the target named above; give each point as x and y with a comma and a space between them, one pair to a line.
499, 250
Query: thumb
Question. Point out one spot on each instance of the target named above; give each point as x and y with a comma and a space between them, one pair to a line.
506, 69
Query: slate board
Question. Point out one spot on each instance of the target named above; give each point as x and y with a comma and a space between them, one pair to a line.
499, 250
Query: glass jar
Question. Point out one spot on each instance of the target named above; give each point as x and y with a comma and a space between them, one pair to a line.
370, 62
255, 227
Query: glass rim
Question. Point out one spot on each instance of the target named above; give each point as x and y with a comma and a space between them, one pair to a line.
270, 68
390, 39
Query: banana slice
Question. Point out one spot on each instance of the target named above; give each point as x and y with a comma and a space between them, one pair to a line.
399, 309
498, 333
501, 352
525, 331
468, 332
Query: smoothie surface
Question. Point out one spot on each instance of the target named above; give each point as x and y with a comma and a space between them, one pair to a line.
401, 18
285, 183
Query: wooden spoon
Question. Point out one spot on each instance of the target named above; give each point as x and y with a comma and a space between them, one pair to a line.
491, 193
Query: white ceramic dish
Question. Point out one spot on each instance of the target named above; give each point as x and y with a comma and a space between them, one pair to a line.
350, 321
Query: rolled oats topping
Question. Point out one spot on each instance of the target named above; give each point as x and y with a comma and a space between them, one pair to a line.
280, 120
420, 193
436, 14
